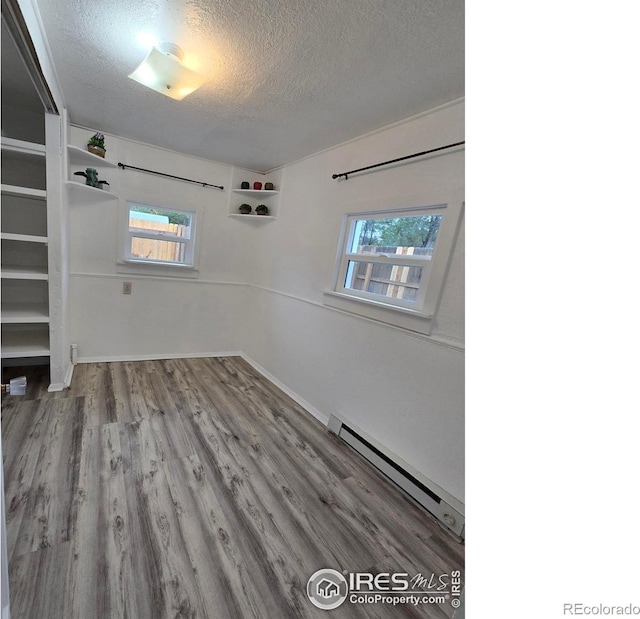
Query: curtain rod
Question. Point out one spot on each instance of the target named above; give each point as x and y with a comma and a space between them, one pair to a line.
377, 165
180, 178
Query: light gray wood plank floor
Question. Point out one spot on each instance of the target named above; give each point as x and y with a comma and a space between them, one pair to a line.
194, 488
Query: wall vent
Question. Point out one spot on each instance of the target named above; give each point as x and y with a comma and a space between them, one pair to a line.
426, 497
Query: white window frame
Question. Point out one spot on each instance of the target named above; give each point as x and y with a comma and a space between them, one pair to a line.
189, 243
412, 315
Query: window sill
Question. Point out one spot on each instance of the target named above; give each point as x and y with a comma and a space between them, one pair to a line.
157, 269
404, 318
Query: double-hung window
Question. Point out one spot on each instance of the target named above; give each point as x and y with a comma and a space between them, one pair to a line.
391, 264
159, 235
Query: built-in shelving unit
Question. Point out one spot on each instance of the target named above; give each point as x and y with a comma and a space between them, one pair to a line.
20, 147
24, 313
19, 271
24, 192
23, 238
19, 344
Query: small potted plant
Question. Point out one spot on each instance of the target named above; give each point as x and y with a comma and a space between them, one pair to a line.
96, 145
245, 209
262, 209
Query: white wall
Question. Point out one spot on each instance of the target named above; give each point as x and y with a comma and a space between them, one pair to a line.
404, 390
162, 316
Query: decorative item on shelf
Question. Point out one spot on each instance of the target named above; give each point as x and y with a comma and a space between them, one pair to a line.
262, 209
268, 187
257, 185
101, 185
245, 209
245, 185
91, 175
96, 145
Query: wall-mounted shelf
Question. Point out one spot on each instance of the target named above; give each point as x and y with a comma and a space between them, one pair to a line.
22, 272
256, 193
17, 344
80, 156
24, 238
24, 313
24, 192
89, 192
254, 197
252, 217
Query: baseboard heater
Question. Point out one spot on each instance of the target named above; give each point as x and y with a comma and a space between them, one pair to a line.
426, 497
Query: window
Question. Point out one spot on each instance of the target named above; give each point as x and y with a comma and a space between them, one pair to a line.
391, 264
159, 235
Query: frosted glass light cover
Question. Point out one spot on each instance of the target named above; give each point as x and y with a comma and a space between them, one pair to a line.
165, 74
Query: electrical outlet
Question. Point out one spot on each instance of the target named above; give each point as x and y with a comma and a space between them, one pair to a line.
126, 288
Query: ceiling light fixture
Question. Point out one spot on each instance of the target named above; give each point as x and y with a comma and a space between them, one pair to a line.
162, 70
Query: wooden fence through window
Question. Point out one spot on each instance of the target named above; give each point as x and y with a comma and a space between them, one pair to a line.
389, 280
154, 249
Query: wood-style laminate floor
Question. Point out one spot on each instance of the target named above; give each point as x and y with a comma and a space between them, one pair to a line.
194, 488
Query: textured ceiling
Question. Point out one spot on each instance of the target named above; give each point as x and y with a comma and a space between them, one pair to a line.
287, 78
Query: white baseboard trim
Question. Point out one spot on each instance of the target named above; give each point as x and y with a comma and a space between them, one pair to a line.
56, 387
157, 356
321, 417
69, 376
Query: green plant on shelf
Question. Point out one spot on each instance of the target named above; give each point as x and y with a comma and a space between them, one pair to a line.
97, 140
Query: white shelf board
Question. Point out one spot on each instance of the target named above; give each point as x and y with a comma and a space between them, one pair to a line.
25, 238
252, 217
256, 193
17, 344
22, 272
88, 191
24, 192
81, 156
20, 146
24, 313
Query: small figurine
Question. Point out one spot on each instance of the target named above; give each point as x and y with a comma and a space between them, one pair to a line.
91, 175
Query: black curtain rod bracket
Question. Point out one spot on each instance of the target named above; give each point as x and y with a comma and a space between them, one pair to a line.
377, 165
179, 178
